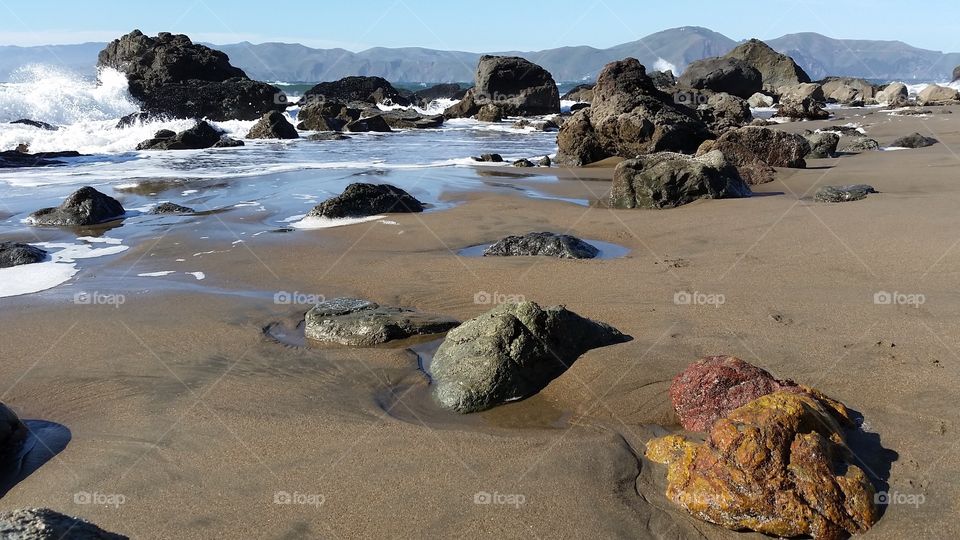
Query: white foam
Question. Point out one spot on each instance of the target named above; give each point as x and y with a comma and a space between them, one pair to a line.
664, 65
199, 275
313, 222
157, 274
59, 97
32, 278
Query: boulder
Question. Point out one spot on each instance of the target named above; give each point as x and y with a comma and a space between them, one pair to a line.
582, 93
202, 135
326, 116
411, 119
629, 116
777, 465
847, 95
228, 142
490, 113
84, 207
369, 90
328, 136
523, 163
801, 109
669, 180
467, 107
776, 70
170, 75
835, 194
802, 91
849, 86
518, 86
857, 143
371, 124
10, 159
273, 125
776, 148
171, 208
914, 141
37, 124
542, 244
937, 95
363, 200
45, 524
12, 433
759, 100
663, 80
440, 91
545, 161
823, 144
489, 158
16, 254
511, 353
894, 93
727, 75
360, 323
723, 112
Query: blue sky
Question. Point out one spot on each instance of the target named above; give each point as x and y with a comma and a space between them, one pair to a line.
491, 25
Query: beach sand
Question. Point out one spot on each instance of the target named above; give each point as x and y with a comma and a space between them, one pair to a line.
179, 402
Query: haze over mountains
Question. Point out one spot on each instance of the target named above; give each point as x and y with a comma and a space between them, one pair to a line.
819, 55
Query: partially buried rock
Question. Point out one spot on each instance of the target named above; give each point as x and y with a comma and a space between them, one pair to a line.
84, 207
45, 524
914, 141
360, 323
857, 143
668, 180
328, 136
561, 246
15, 254
490, 158
363, 200
511, 353
835, 194
823, 144
12, 433
172, 208
20, 158
273, 125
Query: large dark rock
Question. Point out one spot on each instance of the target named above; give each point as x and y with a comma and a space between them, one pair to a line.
273, 125
12, 433
326, 116
777, 70
360, 323
45, 524
171, 75
668, 180
440, 91
914, 141
37, 124
411, 119
15, 254
200, 136
545, 244
516, 86
376, 123
511, 353
371, 90
84, 207
723, 112
728, 75
362, 200
10, 159
629, 116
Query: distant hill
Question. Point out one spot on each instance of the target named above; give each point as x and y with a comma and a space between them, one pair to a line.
676, 48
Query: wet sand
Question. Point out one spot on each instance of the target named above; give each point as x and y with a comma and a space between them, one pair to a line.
179, 402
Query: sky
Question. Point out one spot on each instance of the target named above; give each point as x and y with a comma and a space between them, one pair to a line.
492, 25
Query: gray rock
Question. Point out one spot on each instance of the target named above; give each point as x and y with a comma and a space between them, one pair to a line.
228, 142
15, 254
668, 180
45, 524
362, 200
360, 323
728, 75
411, 119
776, 70
273, 125
84, 207
582, 93
545, 161
914, 141
857, 143
490, 113
723, 112
799, 108
755, 150
12, 433
823, 144
516, 85
835, 194
490, 158
511, 353
542, 244
374, 123
328, 136
171, 208
370, 90
10, 159
326, 116
523, 163
760, 100
200, 136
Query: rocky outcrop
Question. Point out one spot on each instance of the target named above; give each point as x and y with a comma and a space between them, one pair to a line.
16, 254
171, 208
836, 194
170, 75
629, 117
361, 323
511, 353
363, 200
45, 524
517, 86
11, 159
956, 74
914, 141
367, 90
84, 207
938, 95
200, 136
847, 90
273, 125
723, 112
542, 244
489, 158
12, 433
440, 91
776, 70
668, 180
802, 91
823, 144
728, 75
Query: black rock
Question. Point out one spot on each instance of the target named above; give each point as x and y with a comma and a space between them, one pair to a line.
914, 141
328, 136
579, 107
371, 90
273, 125
489, 158
326, 116
228, 142
523, 163
516, 86
45, 524
172, 208
440, 91
362, 200
200, 136
728, 75
14, 159
374, 123
835, 194
133, 119
84, 207
36, 124
561, 246
14, 254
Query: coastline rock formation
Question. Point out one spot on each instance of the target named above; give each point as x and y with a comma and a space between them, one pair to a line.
515, 86
629, 117
777, 70
728, 75
894, 94
200, 136
273, 125
84, 207
17, 254
669, 180
361, 323
542, 244
170, 75
46, 524
366, 90
511, 353
823, 144
363, 200
754, 150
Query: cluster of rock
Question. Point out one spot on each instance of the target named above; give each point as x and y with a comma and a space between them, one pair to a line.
350, 104
508, 86
774, 460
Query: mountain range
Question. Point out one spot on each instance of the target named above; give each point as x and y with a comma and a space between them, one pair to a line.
675, 49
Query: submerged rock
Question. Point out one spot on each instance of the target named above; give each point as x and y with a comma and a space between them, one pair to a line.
362, 200
668, 180
360, 323
37, 124
329, 136
326, 116
523, 163
46, 524
373, 123
511, 353
489, 158
561, 246
171, 208
200, 136
84, 207
273, 125
914, 141
10, 159
411, 119
823, 144
12, 433
835, 194
16, 254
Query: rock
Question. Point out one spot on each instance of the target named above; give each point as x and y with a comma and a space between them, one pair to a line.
823, 144
171, 208
545, 161
371, 90
202, 135
374, 123
776, 70
360, 323
668, 180
45, 524
518, 86
847, 95
777, 465
135, 119
542, 244
490, 113
803, 91
582, 93
663, 80
362, 200
490, 158
10, 159
835, 194
629, 117
843, 131
801, 109
776, 148
914, 141
857, 143
756, 173
411, 119
544, 125
273, 125
728, 75
956, 74
465, 108
511, 353
723, 112
228, 142
16, 254
327, 136
853, 88
937, 95
12, 433
579, 107
37, 124
523, 163
894, 93
84, 207
759, 101
170, 75
440, 91
326, 116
